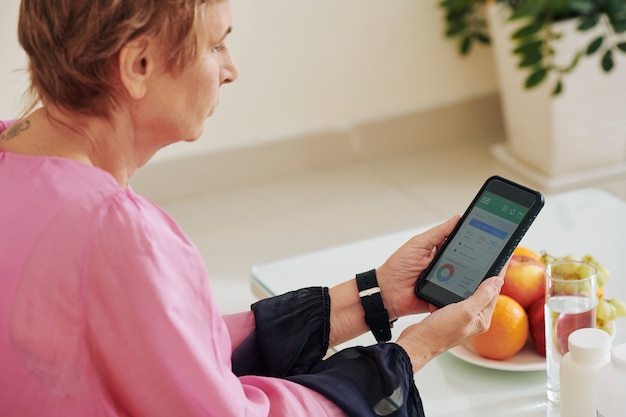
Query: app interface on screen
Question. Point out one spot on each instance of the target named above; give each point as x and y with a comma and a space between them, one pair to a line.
477, 244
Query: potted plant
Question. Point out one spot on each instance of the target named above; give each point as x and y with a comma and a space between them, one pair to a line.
560, 82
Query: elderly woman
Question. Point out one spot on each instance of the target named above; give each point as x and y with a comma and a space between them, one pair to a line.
105, 305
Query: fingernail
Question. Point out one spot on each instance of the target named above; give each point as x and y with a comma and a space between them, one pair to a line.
499, 282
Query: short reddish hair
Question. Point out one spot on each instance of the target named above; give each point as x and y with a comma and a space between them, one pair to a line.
73, 45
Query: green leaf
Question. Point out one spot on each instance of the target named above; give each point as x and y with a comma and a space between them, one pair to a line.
455, 28
530, 60
607, 61
588, 22
536, 77
454, 15
581, 6
622, 46
558, 88
530, 8
619, 26
466, 45
527, 30
612, 7
482, 38
595, 45
530, 47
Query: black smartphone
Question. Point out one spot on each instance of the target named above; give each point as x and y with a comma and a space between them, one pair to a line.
481, 243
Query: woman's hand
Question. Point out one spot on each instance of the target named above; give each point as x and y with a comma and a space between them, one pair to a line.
396, 278
451, 325
398, 275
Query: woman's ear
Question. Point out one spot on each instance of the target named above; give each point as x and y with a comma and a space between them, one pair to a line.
136, 64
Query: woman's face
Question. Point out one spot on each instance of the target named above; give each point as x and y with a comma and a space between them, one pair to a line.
181, 102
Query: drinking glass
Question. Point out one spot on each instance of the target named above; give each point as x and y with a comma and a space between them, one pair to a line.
571, 297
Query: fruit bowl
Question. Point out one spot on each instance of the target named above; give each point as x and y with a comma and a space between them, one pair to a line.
526, 360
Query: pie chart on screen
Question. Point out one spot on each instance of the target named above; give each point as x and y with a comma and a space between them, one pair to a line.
445, 272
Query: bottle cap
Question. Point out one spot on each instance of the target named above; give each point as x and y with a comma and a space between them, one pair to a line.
618, 357
589, 344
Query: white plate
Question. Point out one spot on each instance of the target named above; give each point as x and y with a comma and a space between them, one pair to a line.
526, 360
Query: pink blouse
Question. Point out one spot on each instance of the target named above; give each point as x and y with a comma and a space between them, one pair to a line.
106, 308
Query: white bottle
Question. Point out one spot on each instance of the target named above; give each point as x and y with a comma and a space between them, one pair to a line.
612, 385
589, 351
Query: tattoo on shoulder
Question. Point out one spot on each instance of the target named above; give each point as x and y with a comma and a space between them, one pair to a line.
15, 130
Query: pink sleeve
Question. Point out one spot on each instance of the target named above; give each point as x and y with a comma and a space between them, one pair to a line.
160, 346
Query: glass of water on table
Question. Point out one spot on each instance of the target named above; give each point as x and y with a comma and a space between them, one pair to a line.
571, 298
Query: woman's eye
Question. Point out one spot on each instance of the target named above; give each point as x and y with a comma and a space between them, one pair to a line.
218, 48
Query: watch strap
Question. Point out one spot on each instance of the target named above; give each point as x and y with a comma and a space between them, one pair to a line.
376, 316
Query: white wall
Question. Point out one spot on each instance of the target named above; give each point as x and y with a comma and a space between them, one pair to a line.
13, 81
311, 66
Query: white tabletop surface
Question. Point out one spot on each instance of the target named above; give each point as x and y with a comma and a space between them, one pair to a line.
588, 221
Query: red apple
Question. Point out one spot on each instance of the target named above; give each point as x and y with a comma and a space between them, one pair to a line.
565, 324
536, 319
525, 280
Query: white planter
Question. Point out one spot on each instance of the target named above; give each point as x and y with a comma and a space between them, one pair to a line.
576, 138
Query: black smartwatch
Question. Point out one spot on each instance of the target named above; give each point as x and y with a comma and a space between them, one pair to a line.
376, 316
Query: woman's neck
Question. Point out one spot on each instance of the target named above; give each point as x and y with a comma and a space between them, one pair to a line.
106, 143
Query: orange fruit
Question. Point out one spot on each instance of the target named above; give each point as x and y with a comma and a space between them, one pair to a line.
507, 333
521, 250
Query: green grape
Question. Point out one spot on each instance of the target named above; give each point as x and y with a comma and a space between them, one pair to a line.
585, 271
603, 310
564, 271
620, 307
606, 325
604, 275
546, 258
588, 258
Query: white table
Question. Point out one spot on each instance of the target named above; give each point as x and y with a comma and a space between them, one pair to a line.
588, 221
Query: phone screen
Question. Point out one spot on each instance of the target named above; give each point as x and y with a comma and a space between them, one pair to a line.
481, 242
477, 244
